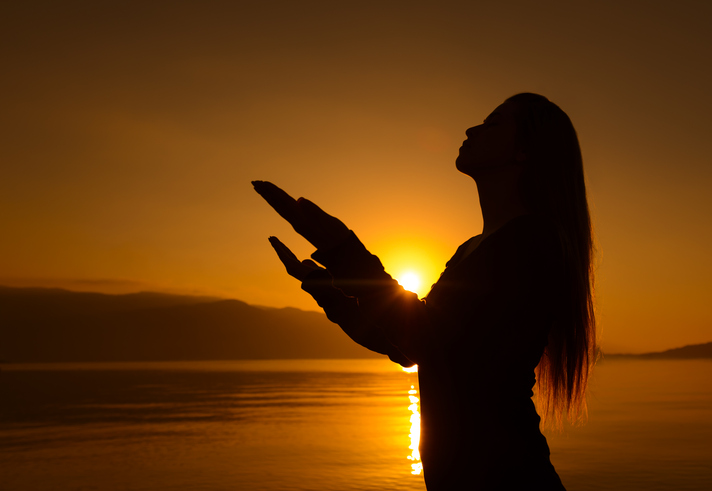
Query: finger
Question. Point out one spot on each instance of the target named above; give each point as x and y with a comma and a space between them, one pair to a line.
327, 229
310, 264
284, 253
295, 268
314, 215
278, 199
311, 209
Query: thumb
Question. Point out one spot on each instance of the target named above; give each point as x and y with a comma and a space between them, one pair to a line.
310, 264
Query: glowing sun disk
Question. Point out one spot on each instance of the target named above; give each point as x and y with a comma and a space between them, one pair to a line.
410, 281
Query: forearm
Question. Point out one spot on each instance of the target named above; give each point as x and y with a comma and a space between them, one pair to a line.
345, 312
402, 318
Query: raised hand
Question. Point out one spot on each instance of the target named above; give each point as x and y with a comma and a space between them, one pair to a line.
308, 220
296, 268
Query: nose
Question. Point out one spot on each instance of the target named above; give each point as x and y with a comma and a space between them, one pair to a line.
470, 132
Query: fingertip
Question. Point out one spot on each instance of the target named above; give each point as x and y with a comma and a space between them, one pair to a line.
303, 202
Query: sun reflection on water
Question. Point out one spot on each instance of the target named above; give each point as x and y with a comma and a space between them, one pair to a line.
414, 408
417, 465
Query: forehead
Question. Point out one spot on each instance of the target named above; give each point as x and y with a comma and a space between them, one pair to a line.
504, 111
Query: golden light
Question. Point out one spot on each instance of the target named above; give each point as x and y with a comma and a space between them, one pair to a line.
415, 262
410, 281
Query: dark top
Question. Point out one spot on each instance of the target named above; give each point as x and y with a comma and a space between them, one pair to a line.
477, 338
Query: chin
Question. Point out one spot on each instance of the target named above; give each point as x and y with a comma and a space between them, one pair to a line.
461, 164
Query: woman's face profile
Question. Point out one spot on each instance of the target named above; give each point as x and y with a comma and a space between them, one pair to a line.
490, 146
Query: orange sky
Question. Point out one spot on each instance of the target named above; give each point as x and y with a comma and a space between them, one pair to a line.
130, 133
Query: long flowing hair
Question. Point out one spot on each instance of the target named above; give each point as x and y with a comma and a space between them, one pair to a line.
553, 185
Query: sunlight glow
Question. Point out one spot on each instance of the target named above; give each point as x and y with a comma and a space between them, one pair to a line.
413, 369
410, 258
410, 281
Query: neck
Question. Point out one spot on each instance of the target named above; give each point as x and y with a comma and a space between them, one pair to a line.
500, 201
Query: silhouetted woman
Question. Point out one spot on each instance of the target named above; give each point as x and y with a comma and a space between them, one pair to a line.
513, 302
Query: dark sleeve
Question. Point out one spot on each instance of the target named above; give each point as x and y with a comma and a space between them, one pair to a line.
345, 312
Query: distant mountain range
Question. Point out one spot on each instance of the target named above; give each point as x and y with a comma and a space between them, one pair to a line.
686, 352
53, 325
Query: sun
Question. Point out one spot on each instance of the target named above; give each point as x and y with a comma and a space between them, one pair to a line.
410, 281
415, 262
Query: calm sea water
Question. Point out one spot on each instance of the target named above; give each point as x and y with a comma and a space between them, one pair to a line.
317, 425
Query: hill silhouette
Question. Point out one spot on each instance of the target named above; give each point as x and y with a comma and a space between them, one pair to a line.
691, 351
52, 325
